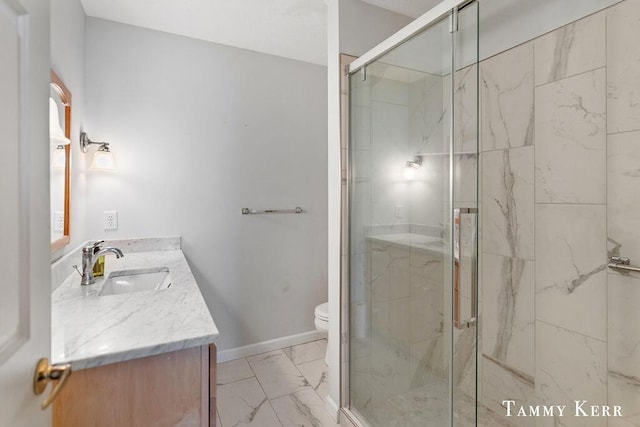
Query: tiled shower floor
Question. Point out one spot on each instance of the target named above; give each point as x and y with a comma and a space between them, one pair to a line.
287, 387
428, 406
281, 388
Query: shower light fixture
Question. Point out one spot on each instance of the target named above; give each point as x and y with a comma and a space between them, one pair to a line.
102, 158
410, 168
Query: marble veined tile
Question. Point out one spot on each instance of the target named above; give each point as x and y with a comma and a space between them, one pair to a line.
466, 110
508, 202
623, 199
507, 111
624, 391
508, 311
277, 374
571, 282
624, 318
427, 114
62, 268
570, 50
623, 67
232, 371
306, 352
302, 409
500, 383
569, 367
317, 374
571, 140
389, 151
244, 403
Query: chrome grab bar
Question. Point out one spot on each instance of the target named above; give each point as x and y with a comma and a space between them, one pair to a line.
622, 263
247, 211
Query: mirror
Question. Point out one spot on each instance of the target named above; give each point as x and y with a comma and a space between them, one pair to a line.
60, 155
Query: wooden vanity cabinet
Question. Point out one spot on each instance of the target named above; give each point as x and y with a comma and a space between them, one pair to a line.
170, 389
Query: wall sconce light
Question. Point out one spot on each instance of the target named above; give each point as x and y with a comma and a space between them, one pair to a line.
411, 167
102, 158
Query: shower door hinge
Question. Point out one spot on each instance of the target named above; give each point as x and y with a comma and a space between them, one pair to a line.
453, 20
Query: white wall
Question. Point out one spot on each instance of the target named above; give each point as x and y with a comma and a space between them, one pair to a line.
68, 61
362, 26
199, 131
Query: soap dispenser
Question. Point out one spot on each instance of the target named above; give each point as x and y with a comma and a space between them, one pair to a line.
98, 267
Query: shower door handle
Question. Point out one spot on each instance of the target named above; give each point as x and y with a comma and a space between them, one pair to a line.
457, 264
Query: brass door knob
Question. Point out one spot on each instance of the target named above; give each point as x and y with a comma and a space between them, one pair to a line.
45, 373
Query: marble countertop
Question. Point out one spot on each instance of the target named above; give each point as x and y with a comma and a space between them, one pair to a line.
90, 330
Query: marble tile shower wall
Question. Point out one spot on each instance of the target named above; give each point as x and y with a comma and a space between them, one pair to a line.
560, 162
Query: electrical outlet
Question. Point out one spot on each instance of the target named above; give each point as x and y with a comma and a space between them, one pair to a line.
58, 221
110, 220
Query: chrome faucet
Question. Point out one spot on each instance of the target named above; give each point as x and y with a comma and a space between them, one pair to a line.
90, 255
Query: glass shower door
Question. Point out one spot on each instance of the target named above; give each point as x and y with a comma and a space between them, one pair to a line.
412, 230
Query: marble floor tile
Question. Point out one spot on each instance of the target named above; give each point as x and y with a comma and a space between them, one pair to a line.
244, 403
306, 352
571, 50
277, 374
507, 99
317, 374
570, 276
623, 67
302, 409
232, 371
571, 138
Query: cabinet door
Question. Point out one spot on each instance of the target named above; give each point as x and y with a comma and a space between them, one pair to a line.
164, 390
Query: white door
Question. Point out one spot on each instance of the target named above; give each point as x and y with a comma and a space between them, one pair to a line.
25, 291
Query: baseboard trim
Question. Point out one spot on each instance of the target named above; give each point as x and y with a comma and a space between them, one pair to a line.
270, 345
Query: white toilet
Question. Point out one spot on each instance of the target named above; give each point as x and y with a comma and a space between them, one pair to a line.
322, 323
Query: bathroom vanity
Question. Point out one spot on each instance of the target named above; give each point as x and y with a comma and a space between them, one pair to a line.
147, 355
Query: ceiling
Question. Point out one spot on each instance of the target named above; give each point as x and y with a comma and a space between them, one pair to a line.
295, 29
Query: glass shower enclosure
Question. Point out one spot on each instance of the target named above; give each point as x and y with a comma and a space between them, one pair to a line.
413, 224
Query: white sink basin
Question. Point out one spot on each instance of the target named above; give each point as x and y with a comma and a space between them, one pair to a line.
128, 281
